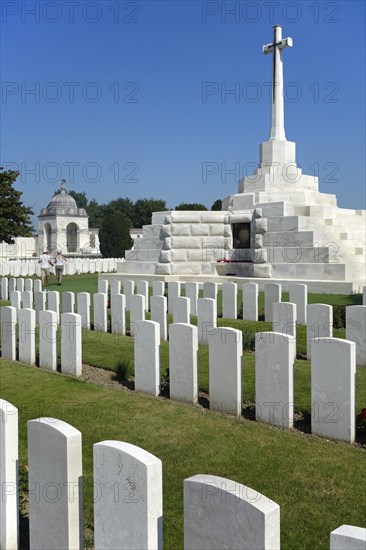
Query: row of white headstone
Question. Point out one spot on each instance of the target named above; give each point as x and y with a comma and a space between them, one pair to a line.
29, 268
128, 499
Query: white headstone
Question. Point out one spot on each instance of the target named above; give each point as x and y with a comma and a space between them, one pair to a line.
181, 310
27, 336
102, 286
220, 513
53, 303
298, 294
225, 353
68, 302
159, 309
348, 537
158, 288
100, 302
12, 284
115, 286
20, 284
210, 290
319, 324
48, 322
118, 314
37, 285
15, 299
27, 299
8, 332
174, 288
137, 310
55, 478
192, 290
272, 294
356, 331
250, 302
206, 318
28, 285
183, 373
133, 520
143, 289
71, 344
128, 291
364, 296
274, 378
229, 300
284, 320
333, 369
83, 305
4, 288
147, 357
9, 523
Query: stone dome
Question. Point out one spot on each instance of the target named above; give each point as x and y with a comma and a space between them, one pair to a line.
62, 203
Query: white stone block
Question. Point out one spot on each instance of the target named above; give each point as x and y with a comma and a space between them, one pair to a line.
37, 285
20, 284
48, 323
225, 353
250, 302
181, 310
284, 320
102, 286
192, 290
15, 299
210, 290
8, 332
137, 310
118, 314
206, 318
55, 480
4, 288
356, 331
298, 294
27, 336
71, 351
68, 302
27, 299
83, 305
9, 523
147, 357
100, 302
115, 286
143, 289
174, 288
159, 309
333, 369
128, 291
348, 537
274, 378
229, 300
158, 288
183, 371
221, 513
319, 324
133, 521
53, 303
272, 294
12, 284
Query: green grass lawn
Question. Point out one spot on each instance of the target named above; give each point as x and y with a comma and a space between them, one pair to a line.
318, 484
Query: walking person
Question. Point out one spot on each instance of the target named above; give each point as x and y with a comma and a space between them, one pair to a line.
59, 266
46, 263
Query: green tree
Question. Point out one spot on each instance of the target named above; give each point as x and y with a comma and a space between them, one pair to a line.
114, 236
188, 206
217, 205
14, 216
96, 212
143, 210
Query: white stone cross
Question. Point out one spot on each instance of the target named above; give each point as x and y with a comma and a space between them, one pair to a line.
277, 108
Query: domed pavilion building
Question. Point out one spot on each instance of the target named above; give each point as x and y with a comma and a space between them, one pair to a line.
64, 226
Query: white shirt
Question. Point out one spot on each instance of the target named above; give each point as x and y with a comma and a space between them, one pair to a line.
59, 260
45, 259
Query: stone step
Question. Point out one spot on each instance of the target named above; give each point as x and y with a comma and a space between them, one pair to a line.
148, 243
326, 271
289, 238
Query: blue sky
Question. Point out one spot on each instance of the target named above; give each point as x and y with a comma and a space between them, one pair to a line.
131, 98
